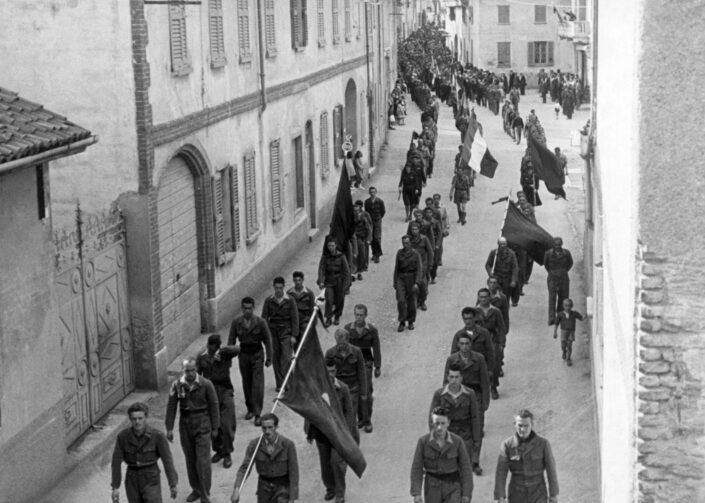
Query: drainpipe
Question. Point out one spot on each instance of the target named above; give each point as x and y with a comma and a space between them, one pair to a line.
260, 38
370, 114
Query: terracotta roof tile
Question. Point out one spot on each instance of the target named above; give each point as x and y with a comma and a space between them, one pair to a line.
27, 128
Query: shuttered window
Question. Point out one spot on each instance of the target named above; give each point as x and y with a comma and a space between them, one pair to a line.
243, 27
540, 54
233, 210
299, 24
348, 21
503, 14
226, 212
180, 61
270, 29
251, 197
359, 19
217, 38
337, 133
325, 146
321, 22
218, 218
504, 54
539, 14
276, 177
336, 22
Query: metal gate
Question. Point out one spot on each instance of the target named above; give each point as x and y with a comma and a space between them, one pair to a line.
94, 321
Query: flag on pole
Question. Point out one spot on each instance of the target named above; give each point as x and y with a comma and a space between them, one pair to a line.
475, 152
342, 222
546, 167
522, 232
311, 394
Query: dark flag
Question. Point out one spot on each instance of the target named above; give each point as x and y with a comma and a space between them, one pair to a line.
475, 151
522, 232
342, 223
311, 394
546, 167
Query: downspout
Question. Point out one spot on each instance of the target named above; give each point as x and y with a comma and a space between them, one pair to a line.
260, 39
370, 111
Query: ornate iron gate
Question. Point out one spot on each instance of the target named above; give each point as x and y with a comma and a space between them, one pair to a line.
94, 321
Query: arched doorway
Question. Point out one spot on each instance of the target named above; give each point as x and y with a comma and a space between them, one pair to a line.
351, 112
183, 292
311, 162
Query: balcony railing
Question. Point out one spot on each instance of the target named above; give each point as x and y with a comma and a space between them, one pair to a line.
577, 31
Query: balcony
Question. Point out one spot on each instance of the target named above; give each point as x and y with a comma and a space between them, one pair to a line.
578, 32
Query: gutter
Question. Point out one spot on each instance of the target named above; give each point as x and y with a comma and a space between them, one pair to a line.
49, 155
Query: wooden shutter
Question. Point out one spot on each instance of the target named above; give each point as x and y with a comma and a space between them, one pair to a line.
325, 146
451, 13
180, 62
275, 173
336, 23
304, 23
321, 21
250, 196
234, 208
295, 8
348, 22
503, 14
337, 136
217, 38
218, 227
270, 29
549, 57
539, 14
243, 26
530, 57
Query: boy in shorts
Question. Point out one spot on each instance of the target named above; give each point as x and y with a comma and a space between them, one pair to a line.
566, 320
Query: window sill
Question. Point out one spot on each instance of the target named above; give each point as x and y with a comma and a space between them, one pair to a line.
271, 53
278, 217
246, 59
250, 240
182, 71
321, 44
217, 64
299, 49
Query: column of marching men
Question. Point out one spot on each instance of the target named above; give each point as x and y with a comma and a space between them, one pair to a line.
447, 457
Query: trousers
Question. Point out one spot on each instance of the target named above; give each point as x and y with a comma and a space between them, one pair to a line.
498, 363
440, 491
332, 468
144, 485
195, 435
376, 243
558, 291
368, 412
335, 297
252, 374
407, 292
271, 492
223, 444
362, 260
282, 351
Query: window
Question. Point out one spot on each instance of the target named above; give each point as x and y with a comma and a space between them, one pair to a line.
270, 29
251, 198
539, 14
503, 14
470, 15
180, 61
582, 10
217, 39
321, 21
348, 22
226, 213
299, 24
41, 172
336, 23
359, 19
337, 132
243, 26
451, 13
299, 165
540, 54
504, 54
325, 146
276, 176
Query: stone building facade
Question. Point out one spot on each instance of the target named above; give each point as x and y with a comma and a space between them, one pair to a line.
644, 211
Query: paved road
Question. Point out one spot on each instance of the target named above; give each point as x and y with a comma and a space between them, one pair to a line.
536, 377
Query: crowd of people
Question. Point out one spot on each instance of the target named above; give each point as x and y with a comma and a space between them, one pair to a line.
448, 456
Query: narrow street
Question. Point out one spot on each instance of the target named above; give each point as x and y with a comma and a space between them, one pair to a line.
535, 376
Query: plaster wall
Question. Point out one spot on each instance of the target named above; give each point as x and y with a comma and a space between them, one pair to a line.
616, 172
30, 352
74, 57
487, 32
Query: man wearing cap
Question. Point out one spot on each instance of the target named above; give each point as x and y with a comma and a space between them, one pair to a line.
442, 464
350, 369
282, 315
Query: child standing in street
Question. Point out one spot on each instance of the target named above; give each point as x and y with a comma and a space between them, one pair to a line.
566, 320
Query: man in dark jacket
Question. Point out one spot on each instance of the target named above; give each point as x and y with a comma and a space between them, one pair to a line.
557, 262
350, 365
502, 263
281, 314
375, 207
276, 463
334, 276
408, 274
140, 446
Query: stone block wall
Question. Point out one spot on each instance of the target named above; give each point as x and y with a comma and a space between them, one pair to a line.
671, 368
